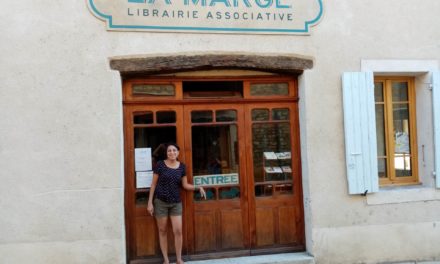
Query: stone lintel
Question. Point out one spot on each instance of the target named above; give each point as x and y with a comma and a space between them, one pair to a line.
172, 63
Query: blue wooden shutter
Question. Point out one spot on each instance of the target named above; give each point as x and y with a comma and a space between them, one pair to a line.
436, 110
360, 132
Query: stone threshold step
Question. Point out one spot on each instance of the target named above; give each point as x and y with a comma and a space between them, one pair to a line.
286, 258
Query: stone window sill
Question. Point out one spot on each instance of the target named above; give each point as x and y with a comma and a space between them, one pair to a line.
404, 194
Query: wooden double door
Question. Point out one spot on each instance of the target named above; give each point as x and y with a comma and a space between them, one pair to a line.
247, 157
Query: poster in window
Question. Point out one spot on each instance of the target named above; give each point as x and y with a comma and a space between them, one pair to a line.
142, 157
401, 143
144, 179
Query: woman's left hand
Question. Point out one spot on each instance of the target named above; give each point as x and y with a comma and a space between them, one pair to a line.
202, 192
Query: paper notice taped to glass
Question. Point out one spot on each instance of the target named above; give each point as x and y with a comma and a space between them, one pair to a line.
144, 179
142, 157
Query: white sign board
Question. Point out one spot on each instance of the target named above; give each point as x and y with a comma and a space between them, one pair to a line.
142, 159
214, 16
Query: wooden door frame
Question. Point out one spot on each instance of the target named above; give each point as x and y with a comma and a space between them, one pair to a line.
146, 104
242, 170
131, 211
296, 179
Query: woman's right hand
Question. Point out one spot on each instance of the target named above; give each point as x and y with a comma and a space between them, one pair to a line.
150, 209
202, 192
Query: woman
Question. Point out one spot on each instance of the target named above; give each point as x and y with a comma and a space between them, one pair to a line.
168, 176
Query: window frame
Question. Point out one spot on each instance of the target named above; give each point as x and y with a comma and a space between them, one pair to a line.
391, 178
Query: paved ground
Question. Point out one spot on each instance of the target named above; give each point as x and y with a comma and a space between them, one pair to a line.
288, 258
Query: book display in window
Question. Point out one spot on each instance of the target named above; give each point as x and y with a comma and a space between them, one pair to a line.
277, 166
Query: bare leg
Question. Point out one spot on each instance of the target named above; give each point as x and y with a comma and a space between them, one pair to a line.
176, 222
163, 239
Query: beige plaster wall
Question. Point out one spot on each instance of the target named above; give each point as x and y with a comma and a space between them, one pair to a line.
61, 191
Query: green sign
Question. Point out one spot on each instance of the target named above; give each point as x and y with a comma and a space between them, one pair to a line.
216, 179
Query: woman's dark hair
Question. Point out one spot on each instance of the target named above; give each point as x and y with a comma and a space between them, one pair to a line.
173, 144
160, 153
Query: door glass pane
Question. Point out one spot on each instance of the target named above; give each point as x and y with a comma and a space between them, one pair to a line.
280, 114
272, 158
260, 114
268, 89
150, 137
378, 92
380, 130
225, 115
165, 117
201, 116
229, 192
211, 194
400, 91
402, 146
215, 158
143, 118
142, 198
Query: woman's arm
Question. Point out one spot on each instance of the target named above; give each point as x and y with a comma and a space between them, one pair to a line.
189, 187
150, 207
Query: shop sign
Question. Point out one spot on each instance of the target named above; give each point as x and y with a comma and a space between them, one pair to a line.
216, 179
214, 16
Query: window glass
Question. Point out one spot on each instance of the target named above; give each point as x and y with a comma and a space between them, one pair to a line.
215, 160
142, 198
260, 114
229, 192
400, 91
378, 91
394, 107
264, 190
201, 116
153, 89
382, 168
165, 117
211, 194
272, 158
402, 147
226, 115
269, 89
280, 114
380, 130
143, 118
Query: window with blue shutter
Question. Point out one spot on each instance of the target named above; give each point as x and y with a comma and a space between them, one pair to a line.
360, 132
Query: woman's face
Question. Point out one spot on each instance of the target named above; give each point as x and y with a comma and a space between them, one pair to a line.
172, 153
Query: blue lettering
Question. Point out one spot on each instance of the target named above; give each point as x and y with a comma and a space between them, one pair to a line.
195, 2
279, 5
225, 2
168, 2
263, 5
234, 179
196, 181
219, 179
227, 179
246, 3
205, 180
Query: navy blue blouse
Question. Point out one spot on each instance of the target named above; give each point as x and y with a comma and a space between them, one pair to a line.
169, 182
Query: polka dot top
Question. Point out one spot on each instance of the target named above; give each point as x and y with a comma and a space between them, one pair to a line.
169, 182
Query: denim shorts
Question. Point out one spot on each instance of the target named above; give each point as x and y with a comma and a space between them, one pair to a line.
163, 209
